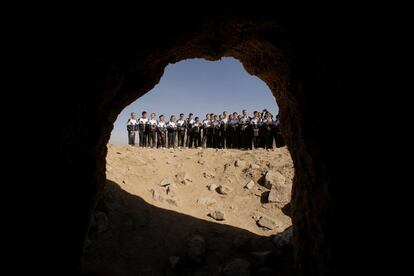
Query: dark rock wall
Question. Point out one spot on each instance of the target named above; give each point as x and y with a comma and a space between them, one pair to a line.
119, 64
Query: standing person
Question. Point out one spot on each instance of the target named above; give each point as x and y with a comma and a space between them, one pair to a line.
233, 128
172, 132
132, 127
189, 124
267, 131
223, 130
216, 132
181, 126
152, 131
245, 131
143, 129
162, 132
279, 141
262, 138
255, 124
206, 131
195, 133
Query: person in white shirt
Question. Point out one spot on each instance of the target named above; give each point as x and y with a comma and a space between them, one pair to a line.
143, 129
162, 132
132, 128
181, 126
152, 126
172, 132
256, 124
223, 130
233, 131
216, 131
207, 131
195, 133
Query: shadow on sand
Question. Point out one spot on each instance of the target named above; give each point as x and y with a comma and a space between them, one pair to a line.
128, 236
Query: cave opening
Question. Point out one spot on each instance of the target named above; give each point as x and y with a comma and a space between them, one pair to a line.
230, 197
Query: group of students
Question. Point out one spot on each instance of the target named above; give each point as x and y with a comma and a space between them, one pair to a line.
232, 131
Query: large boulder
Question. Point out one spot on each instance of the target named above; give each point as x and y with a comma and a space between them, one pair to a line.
280, 188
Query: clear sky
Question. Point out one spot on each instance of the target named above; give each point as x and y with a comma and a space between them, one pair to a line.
199, 86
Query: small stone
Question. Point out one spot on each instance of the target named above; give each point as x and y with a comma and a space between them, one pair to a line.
254, 166
201, 162
166, 181
196, 249
156, 195
212, 187
172, 201
207, 201
217, 215
239, 163
224, 190
267, 222
173, 261
249, 185
208, 175
237, 267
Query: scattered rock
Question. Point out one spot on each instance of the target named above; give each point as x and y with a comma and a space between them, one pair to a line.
274, 178
240, 163
212, 187
217, 215
173, 261
283, 238
172, 201
254, 166
249, 185
280, 189
208, 175
166, 181
226, 166
259, 257
171, 190
266, 271
100, 221
267, 222
168, 162
156, 195
183, 178
207, 201
196, 249
237, 267
272, 196
118, 152
224, 190
201, 162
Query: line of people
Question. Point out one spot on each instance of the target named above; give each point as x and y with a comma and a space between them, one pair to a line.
232, 131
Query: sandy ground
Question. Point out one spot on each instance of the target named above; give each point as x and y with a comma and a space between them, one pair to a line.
145, 223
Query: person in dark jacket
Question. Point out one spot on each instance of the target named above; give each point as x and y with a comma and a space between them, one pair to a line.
255, 125
152, 131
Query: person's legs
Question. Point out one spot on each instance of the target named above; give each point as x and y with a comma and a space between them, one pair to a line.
131, 138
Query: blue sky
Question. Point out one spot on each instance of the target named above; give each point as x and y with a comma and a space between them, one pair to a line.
199, 86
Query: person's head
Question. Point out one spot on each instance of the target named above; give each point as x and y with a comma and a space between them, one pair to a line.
220, 117
277, 116
161, 118
152, 115
208, 116
172, 118
214, 117
181, 116
224, 114
190, 115
144, 114
133, 115
235, 115
256, 114
244, 112
268, 115
197, 119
